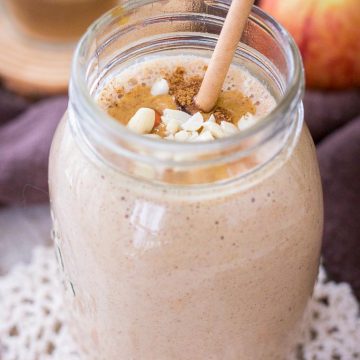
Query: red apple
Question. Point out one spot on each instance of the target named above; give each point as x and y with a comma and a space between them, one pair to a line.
328, 35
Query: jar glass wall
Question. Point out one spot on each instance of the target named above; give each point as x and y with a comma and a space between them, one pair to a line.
193, 265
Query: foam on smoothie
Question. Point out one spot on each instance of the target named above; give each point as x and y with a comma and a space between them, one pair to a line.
149, 70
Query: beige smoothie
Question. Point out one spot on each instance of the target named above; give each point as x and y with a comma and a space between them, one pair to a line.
206, 265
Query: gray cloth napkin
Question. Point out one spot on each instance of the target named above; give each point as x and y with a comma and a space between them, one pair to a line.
24, 149
339, 158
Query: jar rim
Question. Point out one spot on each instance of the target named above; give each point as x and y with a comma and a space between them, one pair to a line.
287, 102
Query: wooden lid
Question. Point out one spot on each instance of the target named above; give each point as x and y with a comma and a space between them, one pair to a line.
30, 67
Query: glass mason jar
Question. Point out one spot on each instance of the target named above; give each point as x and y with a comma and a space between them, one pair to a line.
185, 250
56, 20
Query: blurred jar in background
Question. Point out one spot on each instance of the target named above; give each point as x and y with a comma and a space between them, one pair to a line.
56, 20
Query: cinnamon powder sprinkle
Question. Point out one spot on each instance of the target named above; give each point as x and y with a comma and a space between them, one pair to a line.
222, 114
184, 91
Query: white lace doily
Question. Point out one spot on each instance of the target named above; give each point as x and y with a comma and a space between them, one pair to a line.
33, 327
